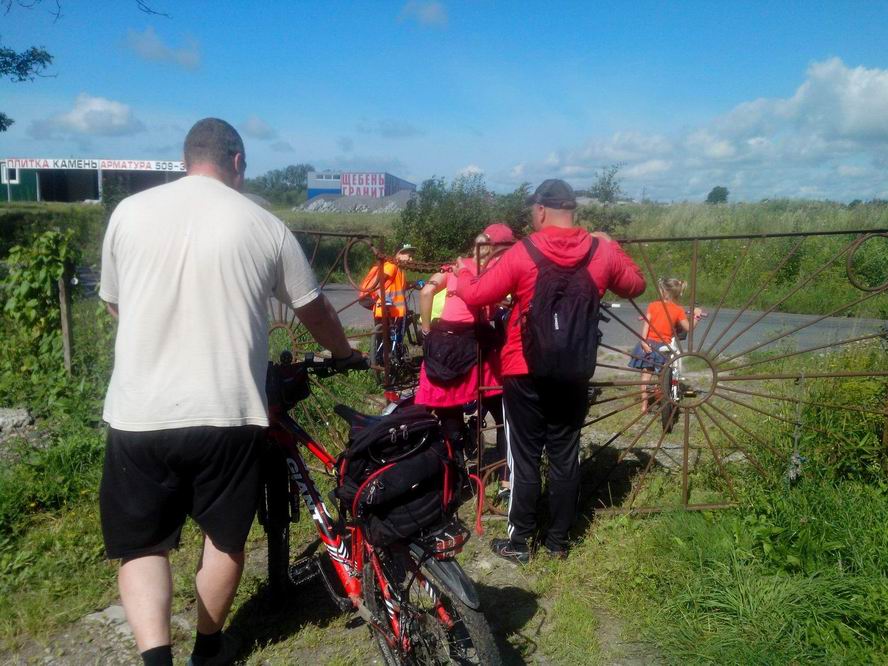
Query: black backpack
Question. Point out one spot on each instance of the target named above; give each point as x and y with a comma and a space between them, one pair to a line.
399, 475
559, 330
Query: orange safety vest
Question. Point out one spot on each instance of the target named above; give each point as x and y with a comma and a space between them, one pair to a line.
395, 290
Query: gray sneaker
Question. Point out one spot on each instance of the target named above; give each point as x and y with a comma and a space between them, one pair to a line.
514, 552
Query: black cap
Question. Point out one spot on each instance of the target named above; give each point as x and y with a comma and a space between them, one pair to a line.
554, 193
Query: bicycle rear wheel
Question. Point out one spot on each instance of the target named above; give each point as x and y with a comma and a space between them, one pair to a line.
462, 638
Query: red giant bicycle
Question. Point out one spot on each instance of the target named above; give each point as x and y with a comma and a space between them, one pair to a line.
420, 605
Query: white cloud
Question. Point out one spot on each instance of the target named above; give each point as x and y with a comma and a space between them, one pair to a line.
256, 128
834, 123
424, 12
648, 168
470, 170
149, 46
90, 116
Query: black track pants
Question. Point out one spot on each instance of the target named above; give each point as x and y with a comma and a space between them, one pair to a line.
540, 416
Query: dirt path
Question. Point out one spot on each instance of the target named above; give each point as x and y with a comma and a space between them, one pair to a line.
311, 631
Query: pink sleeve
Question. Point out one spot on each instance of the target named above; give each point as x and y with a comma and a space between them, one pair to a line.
491, 286
626, 279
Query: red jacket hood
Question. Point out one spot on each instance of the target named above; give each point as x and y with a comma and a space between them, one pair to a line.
564, 246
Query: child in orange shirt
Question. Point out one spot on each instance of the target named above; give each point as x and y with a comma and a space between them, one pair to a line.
664, 320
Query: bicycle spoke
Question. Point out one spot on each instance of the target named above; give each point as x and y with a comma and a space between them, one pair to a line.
775, 416
625, 451
619, 397
751, 458
620, 351
827, 345
611, 413
626, 326
748, 432
685, 454
858, 301
799, 375
849, 408
693, 324
718, 460
755, 294
647, 468
792, 292
621, 368
727, 289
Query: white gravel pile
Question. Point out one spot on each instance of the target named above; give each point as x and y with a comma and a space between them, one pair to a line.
326, 203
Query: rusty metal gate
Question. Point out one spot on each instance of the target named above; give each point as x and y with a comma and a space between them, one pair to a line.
738, 369
722, 392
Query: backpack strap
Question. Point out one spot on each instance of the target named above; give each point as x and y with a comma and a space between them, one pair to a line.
534, 252
591, 253
540, 259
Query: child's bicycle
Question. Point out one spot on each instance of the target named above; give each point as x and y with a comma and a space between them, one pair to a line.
673, 385
419, 604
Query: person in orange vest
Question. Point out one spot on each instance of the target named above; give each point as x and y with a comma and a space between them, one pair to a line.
395, 290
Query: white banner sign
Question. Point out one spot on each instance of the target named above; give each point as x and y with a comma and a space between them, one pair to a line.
362, 184
92, 163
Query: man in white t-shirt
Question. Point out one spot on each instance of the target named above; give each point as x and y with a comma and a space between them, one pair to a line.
188, 268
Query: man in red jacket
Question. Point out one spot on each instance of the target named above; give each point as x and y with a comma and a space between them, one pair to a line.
544, 414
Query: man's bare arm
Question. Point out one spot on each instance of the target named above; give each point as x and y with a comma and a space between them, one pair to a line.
320, 319
112, 309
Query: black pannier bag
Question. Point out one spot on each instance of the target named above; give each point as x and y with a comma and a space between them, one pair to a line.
399, 476
559, 330
449, 351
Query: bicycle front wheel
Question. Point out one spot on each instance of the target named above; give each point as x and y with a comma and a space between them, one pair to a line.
436, 626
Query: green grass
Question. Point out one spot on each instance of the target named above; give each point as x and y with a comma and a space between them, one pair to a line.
54, 573
706, 588
364, 223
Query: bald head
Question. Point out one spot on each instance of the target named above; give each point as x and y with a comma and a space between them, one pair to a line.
214, 148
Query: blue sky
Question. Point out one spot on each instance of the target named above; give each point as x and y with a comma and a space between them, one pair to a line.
768, 99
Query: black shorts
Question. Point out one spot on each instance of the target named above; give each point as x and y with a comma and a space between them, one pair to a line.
153, 480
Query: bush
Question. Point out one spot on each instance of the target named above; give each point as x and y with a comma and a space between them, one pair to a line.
442, 221
608, 219
20, 223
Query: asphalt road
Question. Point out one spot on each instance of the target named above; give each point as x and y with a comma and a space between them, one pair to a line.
826, 331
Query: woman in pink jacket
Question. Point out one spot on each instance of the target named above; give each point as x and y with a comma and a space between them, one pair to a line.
448, 378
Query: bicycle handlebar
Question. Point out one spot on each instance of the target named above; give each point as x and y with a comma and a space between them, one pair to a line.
324, 367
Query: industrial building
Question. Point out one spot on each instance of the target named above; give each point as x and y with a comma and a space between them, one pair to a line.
374, 184
80, 179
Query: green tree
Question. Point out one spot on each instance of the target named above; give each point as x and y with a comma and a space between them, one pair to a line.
512, 208
285, 186
717, 195
607, 187
19, 66
442, 221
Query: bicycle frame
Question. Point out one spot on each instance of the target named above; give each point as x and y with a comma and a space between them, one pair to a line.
287, 435
347, 550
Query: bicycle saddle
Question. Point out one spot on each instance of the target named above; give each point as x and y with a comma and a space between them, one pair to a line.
354, 418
